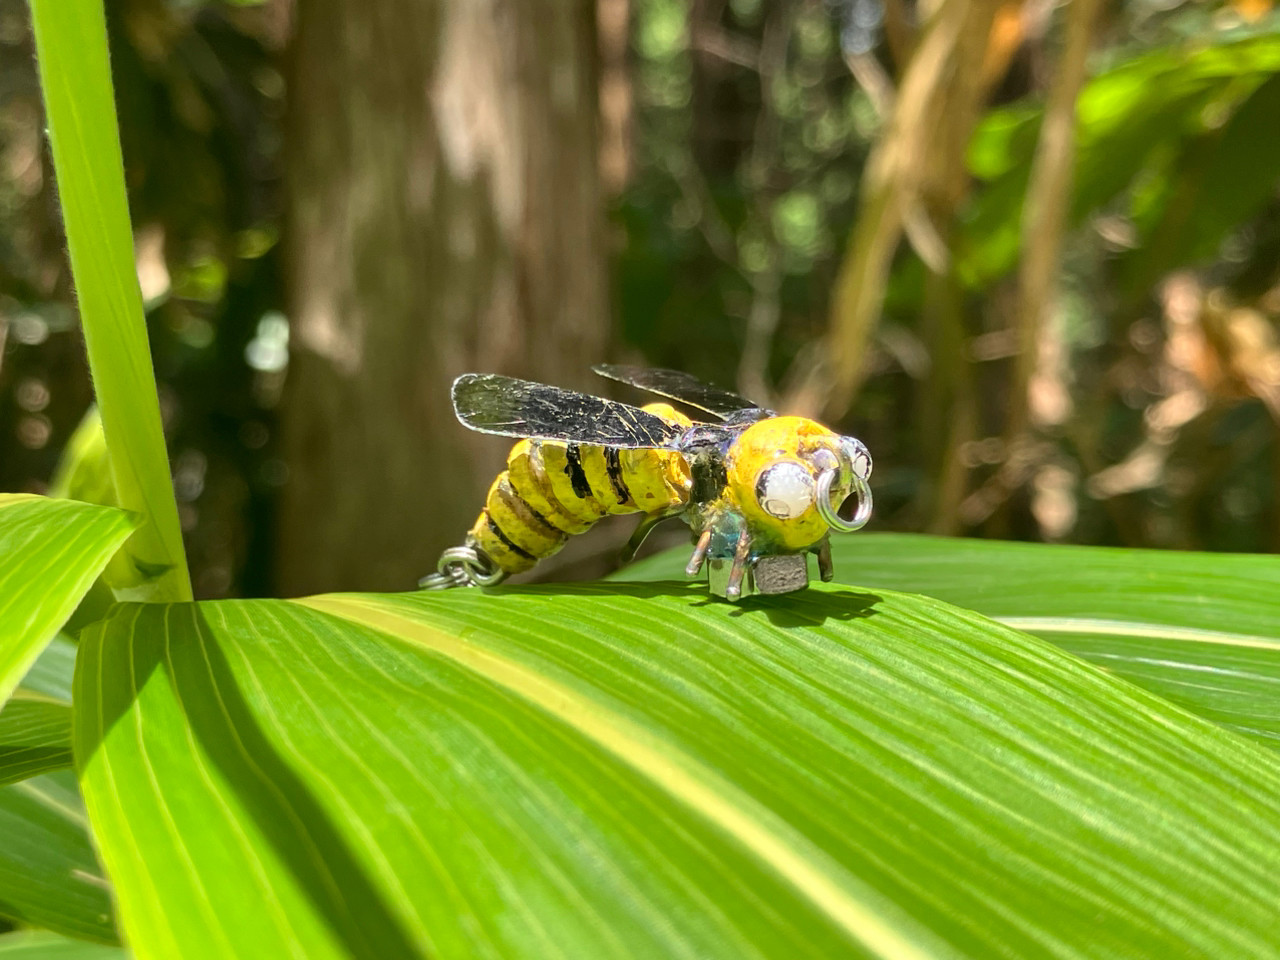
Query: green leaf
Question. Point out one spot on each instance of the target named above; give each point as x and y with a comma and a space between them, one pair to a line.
1226, 179
634, 770
1200, 629
43, 945
71, 48
50, 553
84, 468
35, 725
52, 673
84, 473
48, 872
1149, 107
35, 737
49, 876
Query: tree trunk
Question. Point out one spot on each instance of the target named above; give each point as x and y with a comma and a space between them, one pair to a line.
444, 216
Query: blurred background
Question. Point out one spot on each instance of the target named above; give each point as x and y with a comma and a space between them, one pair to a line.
1028, 252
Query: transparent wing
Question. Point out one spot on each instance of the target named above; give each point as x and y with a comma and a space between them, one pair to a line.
508, 407
676, 385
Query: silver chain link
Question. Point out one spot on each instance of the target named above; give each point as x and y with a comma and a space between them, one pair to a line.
462, 567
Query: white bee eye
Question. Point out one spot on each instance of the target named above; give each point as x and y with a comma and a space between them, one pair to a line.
785, 490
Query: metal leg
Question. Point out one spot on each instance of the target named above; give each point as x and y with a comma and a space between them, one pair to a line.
642, 531
825, 568
733, 590
699, 554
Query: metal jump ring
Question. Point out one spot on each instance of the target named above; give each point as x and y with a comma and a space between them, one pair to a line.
830, 511
462, 567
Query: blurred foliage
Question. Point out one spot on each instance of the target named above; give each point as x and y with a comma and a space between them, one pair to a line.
1149, 429
201, 101
1156, 396
749, 138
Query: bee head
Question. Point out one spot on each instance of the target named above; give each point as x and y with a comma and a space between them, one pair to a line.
793, 480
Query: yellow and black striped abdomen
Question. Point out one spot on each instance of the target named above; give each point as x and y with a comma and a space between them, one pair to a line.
552, 489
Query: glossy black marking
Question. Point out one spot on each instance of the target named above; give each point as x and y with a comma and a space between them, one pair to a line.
710, 475
680, 386
573, 470
613, 467
705, 447
506, 541
520, 408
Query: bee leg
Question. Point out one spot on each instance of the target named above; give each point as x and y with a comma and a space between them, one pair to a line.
642, 531
699, 553
825, 568
733, 589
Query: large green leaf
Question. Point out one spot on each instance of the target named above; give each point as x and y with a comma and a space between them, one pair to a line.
1201, 629
43, 945
51, 551
633, 770
75, 76
49, 876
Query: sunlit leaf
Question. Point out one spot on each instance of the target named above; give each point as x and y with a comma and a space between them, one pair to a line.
1202, 630
51, 551
612, 769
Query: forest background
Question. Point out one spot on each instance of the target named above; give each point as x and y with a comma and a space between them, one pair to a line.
1029, 253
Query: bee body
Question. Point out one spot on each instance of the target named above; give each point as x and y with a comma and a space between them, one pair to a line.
553, 489
758, 491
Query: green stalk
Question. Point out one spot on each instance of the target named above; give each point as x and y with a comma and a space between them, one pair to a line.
71, 47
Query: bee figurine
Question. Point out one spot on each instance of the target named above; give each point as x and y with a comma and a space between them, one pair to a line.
758, 491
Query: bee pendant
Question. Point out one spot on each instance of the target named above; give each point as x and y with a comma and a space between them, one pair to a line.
758, 491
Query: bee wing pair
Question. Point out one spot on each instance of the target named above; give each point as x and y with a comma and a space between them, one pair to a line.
521, 408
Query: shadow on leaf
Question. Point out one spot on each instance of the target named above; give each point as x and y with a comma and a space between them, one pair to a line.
804, 608
177, 640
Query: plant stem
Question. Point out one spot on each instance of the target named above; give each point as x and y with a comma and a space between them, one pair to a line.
71, 48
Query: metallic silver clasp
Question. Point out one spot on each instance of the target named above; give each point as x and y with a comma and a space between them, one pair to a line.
462, 567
